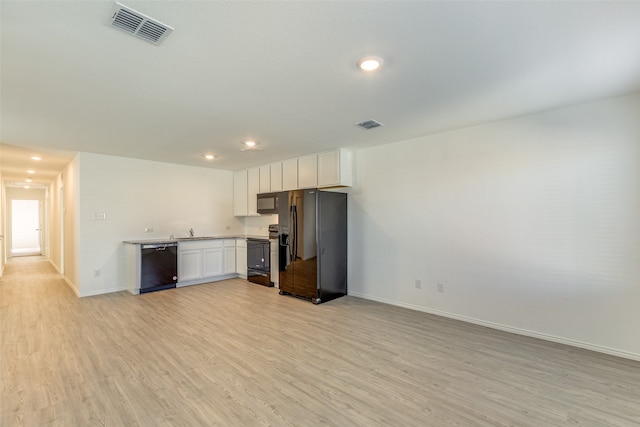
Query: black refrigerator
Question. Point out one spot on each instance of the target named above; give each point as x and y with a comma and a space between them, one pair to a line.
312, 234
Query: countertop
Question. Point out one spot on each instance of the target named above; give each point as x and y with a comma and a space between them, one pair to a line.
160, 240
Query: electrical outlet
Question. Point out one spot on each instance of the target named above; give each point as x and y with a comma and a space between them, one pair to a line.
418, 284
96, 273
441, 287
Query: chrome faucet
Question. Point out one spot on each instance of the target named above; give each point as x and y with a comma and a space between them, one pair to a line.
191, 232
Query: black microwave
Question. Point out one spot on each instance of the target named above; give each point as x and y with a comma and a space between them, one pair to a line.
268, 203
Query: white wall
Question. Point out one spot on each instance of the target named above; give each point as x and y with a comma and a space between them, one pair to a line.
2, 224
532, 225
55, 229
258, 225
71, 234
135, 194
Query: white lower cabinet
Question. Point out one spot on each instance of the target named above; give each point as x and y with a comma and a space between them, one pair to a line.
241, 258
212, 262
189, 264
203, 261
229, 256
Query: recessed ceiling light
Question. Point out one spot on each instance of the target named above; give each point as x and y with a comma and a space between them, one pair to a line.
29, 180
31, 171
370, 63
250, 145
209, 156
36, 158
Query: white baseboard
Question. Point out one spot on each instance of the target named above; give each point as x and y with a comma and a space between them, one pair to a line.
501, 327
206, 280
55, 267
72, 286
102, 292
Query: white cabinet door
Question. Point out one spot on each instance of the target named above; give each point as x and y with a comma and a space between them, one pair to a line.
253, 188
189, 265
276, 176
229, 260
241, 258
308, 171
290, 175
329, 168
240, 191
229, 256
265, 179
212, 263
334, 168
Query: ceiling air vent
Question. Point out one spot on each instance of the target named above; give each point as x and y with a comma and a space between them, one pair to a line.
139, 25
369, 124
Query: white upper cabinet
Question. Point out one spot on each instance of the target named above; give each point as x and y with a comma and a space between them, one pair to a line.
290, 174
308, 171
246, 186
240, 199
328, 169
265, 179
276, 176
335, 169
253, 188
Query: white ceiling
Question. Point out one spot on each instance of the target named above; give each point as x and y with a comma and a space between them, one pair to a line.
284, 73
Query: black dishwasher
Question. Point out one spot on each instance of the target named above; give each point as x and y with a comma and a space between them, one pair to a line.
159, 267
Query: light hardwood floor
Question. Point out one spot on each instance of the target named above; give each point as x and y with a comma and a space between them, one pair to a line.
237, 354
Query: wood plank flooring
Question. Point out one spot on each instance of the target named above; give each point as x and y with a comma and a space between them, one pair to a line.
237, 354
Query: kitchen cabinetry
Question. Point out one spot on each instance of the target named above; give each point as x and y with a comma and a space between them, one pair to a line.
229, 256
290, 175
240, 193
276, 176
189, 264
253, 188
265, 179
241, 257
335, 168
246, 186
212, 259
308, 171
328, 169
201, 261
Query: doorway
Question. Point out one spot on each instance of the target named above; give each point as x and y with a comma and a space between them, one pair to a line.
26, 220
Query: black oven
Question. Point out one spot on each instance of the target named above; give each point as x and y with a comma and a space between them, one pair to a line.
258, 262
